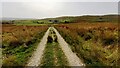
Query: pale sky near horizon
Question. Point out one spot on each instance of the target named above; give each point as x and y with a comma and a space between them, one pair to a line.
54, 8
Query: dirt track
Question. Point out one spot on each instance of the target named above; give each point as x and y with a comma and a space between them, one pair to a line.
72, 58
37, 55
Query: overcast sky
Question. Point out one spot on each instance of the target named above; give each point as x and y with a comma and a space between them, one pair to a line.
45, 9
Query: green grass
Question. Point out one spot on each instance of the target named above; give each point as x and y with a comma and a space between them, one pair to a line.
48, 59
32, 24
60, 56
68, 19
53, 56
91, 52
19, 56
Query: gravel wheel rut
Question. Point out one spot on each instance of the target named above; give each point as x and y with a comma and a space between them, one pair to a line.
35, 60
72, 58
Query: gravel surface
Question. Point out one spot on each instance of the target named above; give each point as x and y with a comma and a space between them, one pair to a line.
37, 55
71, 57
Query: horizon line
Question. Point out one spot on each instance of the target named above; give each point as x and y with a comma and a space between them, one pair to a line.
63, 16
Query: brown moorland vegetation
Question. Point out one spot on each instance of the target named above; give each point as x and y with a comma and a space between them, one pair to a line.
19, 41
95, 43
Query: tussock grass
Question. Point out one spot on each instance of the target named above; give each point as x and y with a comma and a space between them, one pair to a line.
19, 42
96, 44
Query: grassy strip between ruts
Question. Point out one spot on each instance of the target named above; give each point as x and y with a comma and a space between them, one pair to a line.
53, 56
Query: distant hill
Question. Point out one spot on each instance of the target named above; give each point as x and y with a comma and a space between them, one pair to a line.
7, 18
64, 19
87, 18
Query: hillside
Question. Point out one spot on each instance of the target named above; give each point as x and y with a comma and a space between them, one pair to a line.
68, 19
